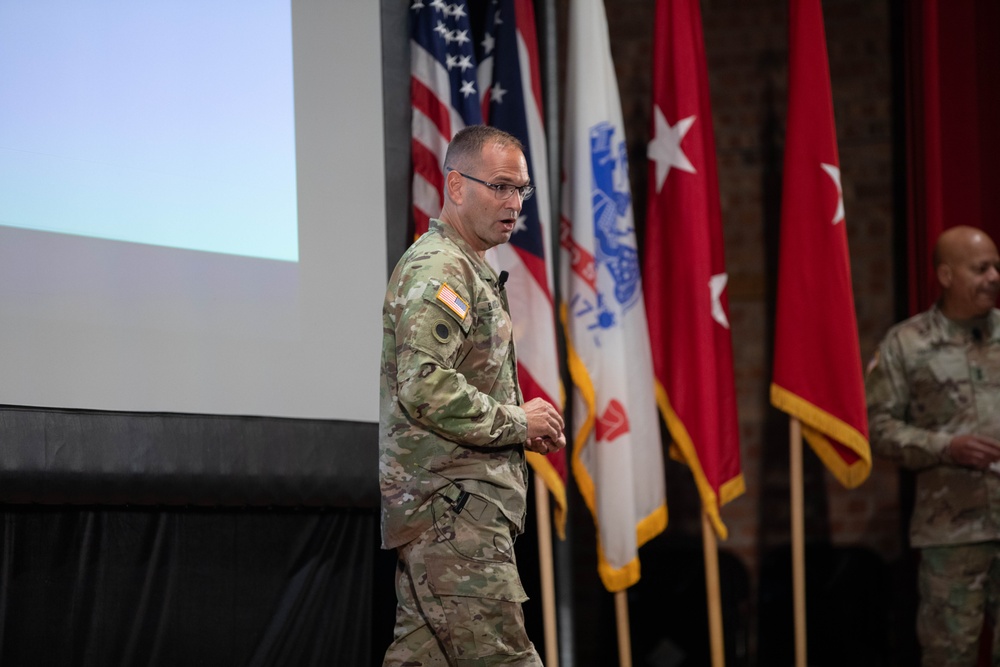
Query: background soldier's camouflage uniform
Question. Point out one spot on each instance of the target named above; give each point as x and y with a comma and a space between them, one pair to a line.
452, 470
932, 379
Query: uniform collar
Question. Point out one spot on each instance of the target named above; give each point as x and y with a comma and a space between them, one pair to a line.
982, 328
485, 271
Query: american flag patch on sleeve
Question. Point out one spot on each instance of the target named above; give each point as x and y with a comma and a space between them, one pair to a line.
450, 298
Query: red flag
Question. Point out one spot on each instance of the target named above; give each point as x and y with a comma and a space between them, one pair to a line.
817, 360
684, 268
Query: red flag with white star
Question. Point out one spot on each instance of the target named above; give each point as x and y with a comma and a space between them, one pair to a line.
684, 269
817, 359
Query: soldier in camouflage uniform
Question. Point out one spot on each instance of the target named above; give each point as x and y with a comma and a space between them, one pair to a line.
453, 429
934, 407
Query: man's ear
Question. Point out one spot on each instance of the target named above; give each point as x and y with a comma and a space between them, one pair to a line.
944, 275
453, 185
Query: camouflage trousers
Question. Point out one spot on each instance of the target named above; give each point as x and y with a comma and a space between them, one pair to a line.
959, 587
458, 593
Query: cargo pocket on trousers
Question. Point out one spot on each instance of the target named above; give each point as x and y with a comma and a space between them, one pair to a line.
482, 606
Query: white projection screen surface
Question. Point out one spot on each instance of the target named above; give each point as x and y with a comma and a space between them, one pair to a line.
192, 206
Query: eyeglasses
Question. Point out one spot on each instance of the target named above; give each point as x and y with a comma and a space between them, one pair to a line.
503, 191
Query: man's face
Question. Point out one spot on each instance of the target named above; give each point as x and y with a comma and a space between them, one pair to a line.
487, 220
973, 281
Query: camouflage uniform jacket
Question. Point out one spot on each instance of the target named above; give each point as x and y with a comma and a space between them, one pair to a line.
449, 398
934, 378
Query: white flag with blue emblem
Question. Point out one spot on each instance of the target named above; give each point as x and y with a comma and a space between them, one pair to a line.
617, 456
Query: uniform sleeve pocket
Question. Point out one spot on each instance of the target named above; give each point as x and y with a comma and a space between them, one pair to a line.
437, 327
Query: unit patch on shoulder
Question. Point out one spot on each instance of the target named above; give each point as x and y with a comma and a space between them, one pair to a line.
450, 298
442, 331
872, 363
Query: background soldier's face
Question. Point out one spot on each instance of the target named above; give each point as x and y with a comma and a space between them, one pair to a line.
975, 279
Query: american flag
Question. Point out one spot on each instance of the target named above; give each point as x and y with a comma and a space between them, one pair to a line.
485, 68
513, 102
444, 92
448, 297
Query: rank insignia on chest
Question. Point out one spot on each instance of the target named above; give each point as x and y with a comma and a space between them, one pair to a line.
450, 298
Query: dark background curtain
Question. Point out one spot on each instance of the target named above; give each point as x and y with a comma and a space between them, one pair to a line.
159, 539
141, 586
953, 138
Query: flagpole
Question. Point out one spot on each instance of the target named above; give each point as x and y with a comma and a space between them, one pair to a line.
550, 94
547, 574
624, 634
712, 590
798, 540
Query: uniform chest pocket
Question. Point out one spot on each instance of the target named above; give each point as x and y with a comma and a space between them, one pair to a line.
945, 369
493, 330
941, 387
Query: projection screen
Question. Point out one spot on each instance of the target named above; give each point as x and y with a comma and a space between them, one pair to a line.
192, 207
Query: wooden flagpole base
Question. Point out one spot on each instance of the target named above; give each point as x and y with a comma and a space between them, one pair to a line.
624, 633
545, 564
712, 591
798, 540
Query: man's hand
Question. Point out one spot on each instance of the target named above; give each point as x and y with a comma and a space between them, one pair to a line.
974, 451
545, 427
545, 445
